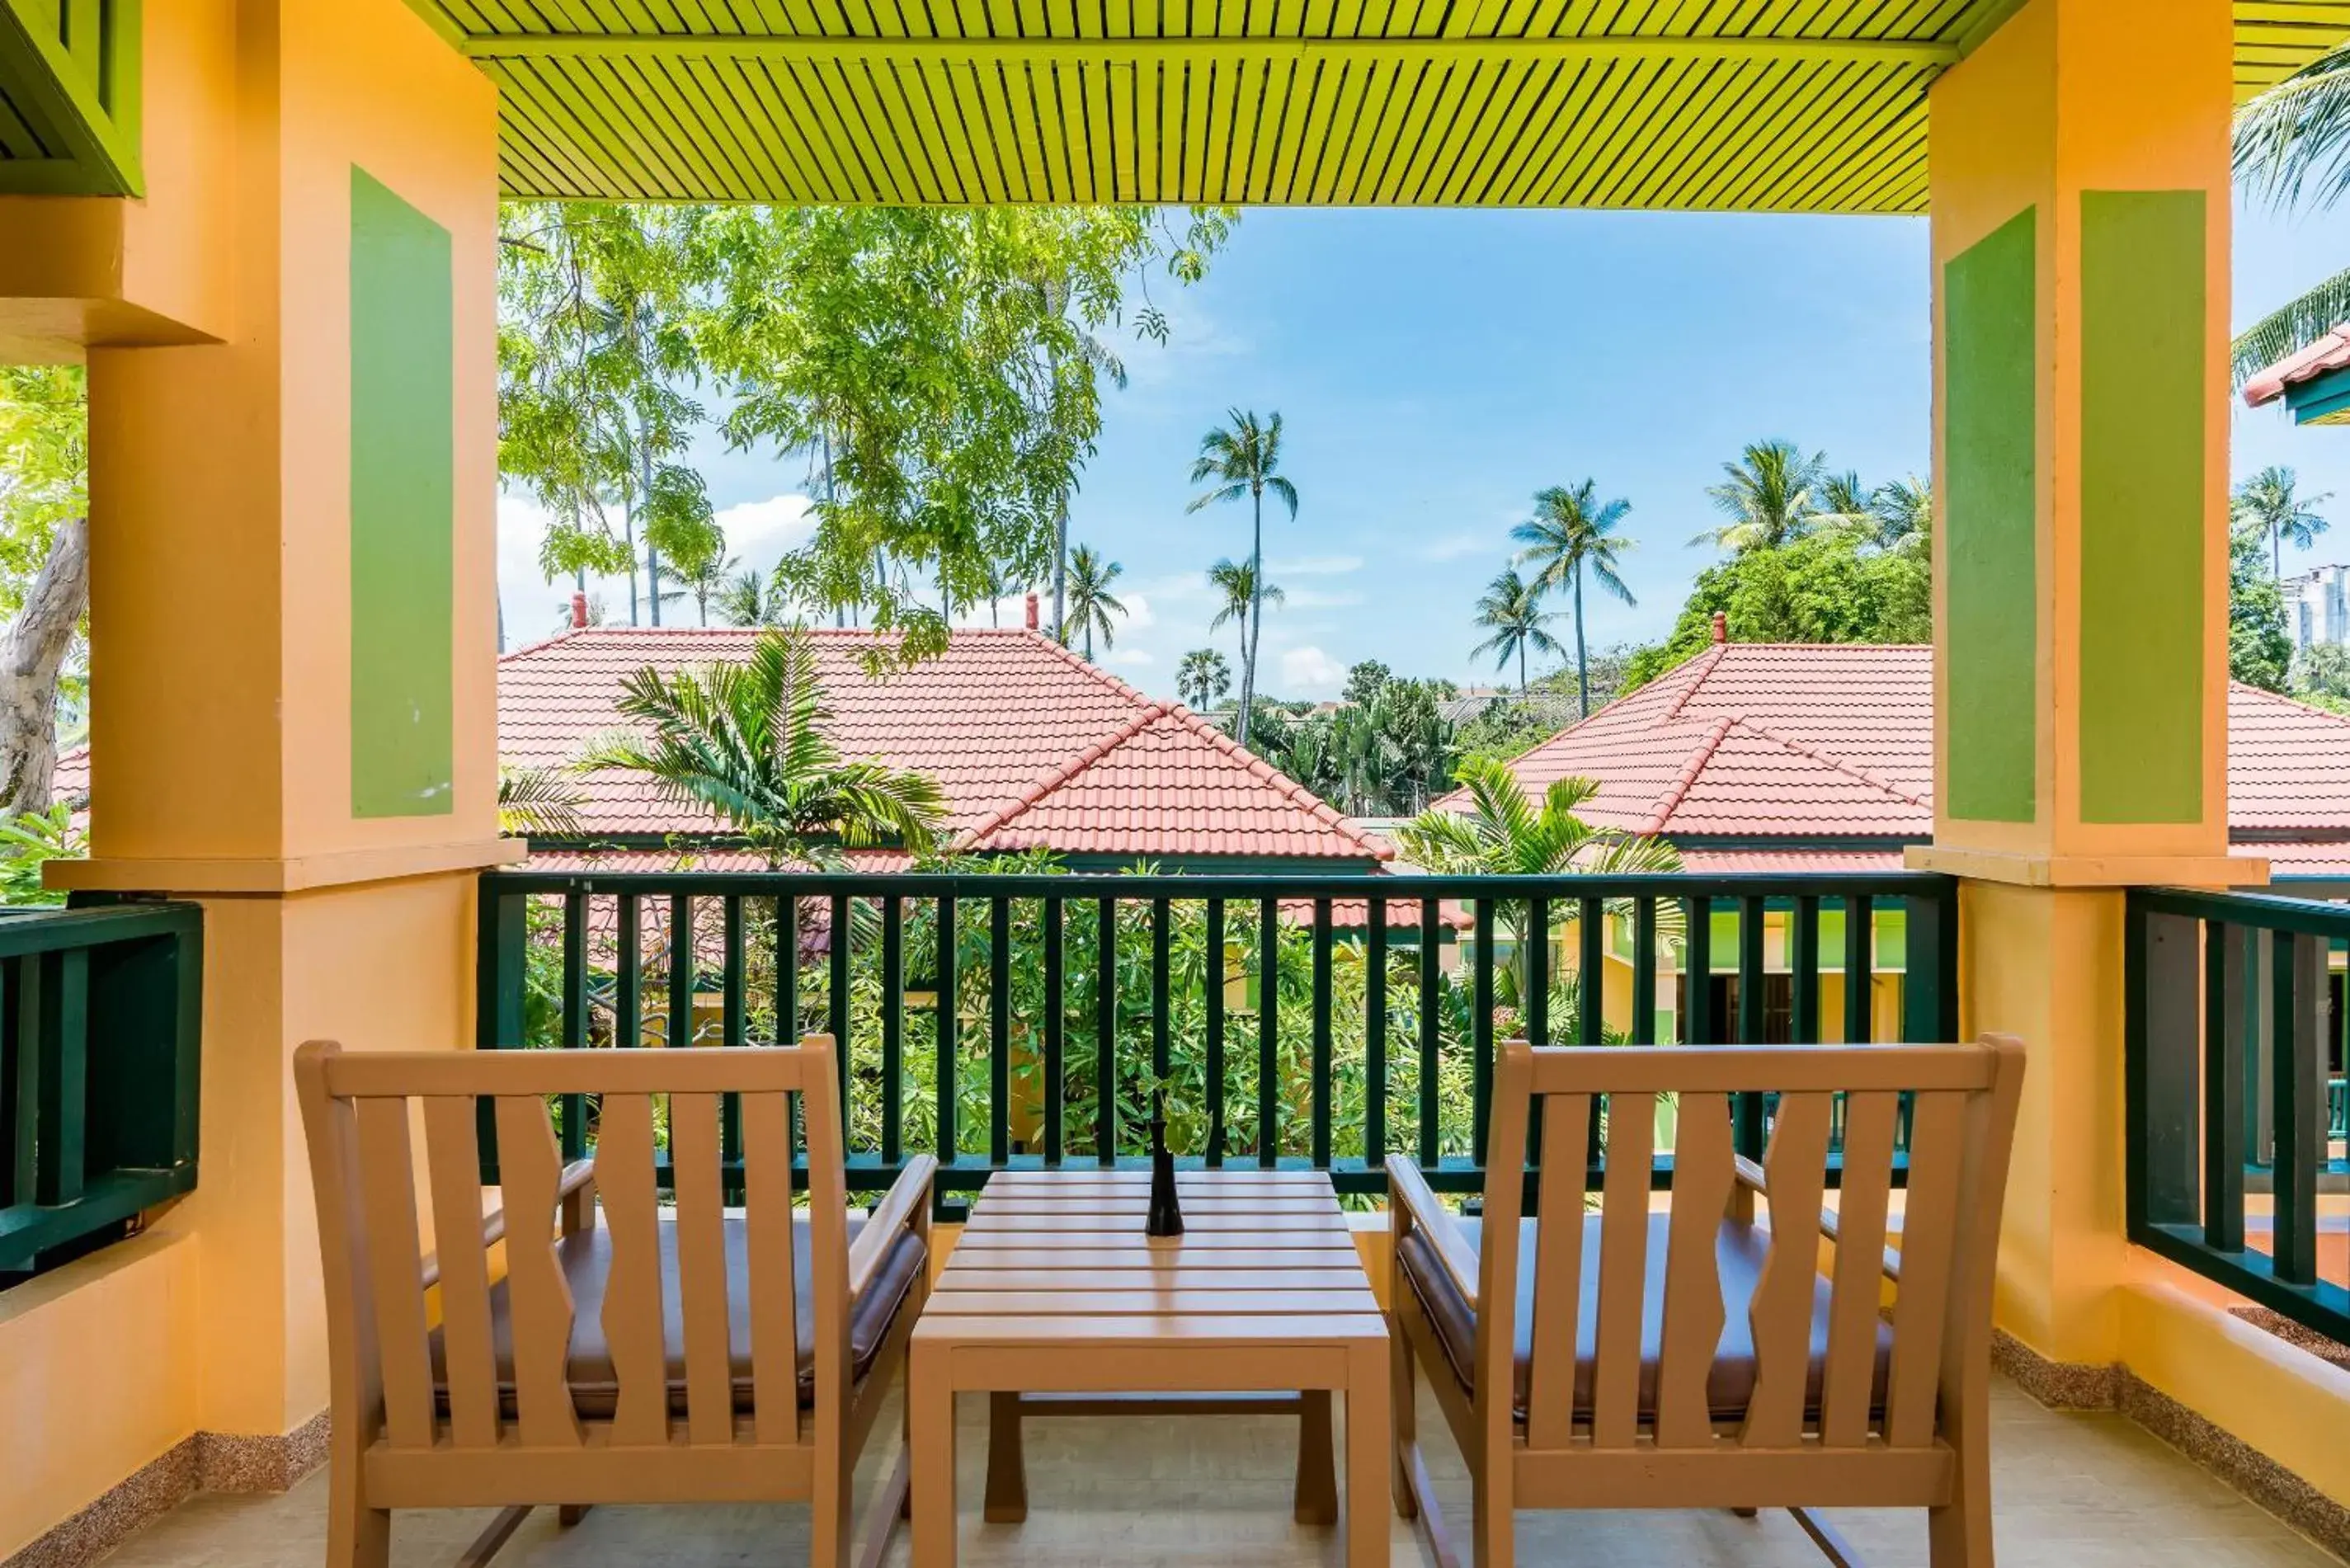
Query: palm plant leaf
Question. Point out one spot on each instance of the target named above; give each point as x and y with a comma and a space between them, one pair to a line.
2291, 328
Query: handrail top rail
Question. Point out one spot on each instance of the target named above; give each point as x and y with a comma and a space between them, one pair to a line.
2267, 911
40, 929
1881, 1066
1402, 888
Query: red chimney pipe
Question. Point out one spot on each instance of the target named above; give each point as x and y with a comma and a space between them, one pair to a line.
578, 611
1032, 612
1721, 627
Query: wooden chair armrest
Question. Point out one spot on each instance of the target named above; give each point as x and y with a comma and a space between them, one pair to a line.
1750, 1175
1891, 1263
1408, 1194
905, 1199
578, 1175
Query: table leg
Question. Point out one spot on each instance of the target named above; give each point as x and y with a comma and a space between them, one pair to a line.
1007, 1462
1317, 1472
930, 1394
1369, 1448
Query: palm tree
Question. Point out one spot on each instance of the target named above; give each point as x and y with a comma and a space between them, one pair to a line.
1505, 834
1243, 458
536, 803
1202, 677
748, 742
2268, 503
1572, 529
753, 598
1903, 511
1769, 494
2292, 141
711, 576
1512, 610
1245, 600
1091, 604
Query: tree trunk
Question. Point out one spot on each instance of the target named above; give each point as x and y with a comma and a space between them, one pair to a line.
1581, 656
1060, 567
1256, 608
1521, 670
831, 497
32, 652
652, 557
2276, 555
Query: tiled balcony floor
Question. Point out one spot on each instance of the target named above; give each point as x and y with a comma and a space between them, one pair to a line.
2075, 1491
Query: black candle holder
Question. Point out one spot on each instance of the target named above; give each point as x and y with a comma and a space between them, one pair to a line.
1166, 1216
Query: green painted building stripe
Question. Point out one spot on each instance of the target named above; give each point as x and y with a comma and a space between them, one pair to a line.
1991, 631
2144, 391
403, 507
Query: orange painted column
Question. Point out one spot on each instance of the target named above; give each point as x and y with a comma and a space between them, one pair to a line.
2080, 208
291, 343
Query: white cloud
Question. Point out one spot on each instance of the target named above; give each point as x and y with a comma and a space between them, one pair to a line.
1308, 672
1452, 546
1139, 613
759, 532
1133, 658
1313, 566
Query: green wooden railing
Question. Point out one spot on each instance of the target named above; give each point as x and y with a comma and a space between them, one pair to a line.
100, 1012
1071, 996
2230, 1029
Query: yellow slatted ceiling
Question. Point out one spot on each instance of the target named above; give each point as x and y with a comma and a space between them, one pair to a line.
1752, 105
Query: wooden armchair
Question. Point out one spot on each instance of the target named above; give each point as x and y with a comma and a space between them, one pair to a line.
1689, 1357
704, 1357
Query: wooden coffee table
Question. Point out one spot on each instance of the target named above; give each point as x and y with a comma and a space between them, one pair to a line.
1054, 1301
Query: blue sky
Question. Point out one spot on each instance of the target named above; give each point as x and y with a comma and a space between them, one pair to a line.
1434, 369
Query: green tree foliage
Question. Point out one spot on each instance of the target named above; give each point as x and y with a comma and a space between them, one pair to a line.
1834, 584
537, 803
2320, 676
939, 361
1573, 530
1769, 497
2293, 149
1091, 602
753, 598
1503, 732
1365, 680
1202, 679
43, 571
1385, 751
1505, 834
1240, 600
29, 841
1510, 612
1240, 459
748, 742
43, 468
597, 356
2260, 647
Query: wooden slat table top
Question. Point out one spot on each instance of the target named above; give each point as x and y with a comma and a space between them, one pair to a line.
1060, 1257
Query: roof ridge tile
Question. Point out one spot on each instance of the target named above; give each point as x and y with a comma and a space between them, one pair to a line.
1676, 792
1838, 763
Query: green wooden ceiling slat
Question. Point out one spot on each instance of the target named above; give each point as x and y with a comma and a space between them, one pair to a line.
1487, 106
749, 112
1485, 162
1745, 111
1558, 126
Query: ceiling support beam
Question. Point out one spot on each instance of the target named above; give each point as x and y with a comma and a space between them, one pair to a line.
1919, 54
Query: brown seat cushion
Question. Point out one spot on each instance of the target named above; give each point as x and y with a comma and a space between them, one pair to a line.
1740, 1250
587, 1262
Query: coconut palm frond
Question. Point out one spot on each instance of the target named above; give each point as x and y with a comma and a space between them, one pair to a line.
2294, 139
536, 803
2291, 328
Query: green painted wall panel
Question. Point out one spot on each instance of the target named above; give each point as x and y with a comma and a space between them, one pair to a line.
403, 507
1990, 437
2144, 391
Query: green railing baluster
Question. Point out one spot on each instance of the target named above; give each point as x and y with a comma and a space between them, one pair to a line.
628, 1000
1056, 1008
998, 1032
575, 1017
2223, 1088
1860, 914
1803, 968
2295, 1069
1218, 975
893, 1031
1591, 973
1698, 1025
1746, 1109
1644, 977
1431, 1035
1162, 937
58, 1017
1536, 1019
836, 998
1268, 1033
1481, 1032
733, 1030
787, 970
946, 1032
1321, 1087
1374, 1032
1106, 1033
681, 957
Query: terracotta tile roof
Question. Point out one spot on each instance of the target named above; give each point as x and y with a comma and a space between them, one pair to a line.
1798, 740
1030, 743
2331, 352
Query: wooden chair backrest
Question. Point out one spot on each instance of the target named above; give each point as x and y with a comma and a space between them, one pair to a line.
1962, 1118
361, 1109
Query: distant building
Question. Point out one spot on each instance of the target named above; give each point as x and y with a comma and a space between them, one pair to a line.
2317, 607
